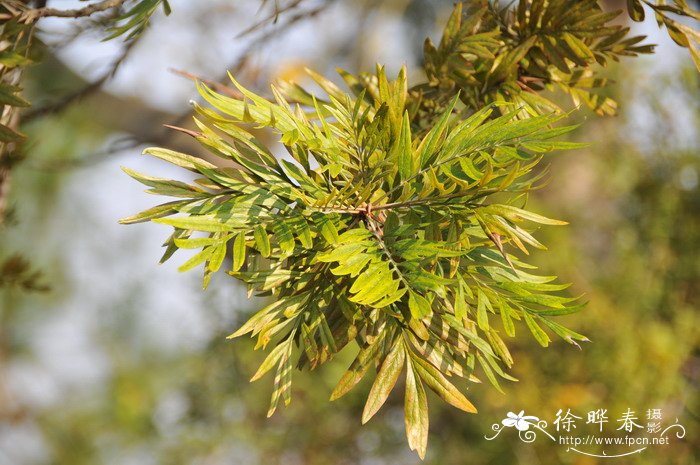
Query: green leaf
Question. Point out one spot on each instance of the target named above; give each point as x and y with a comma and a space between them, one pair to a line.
10, 135
358, 368
135, 20
433, 140
325, 224
262, 240
180, 159
489, 372
197, 259
482, 318
460, 305
11, 59
478, 342
239, 252
167, 187
385, 380
402, 149
518, 214
283, 235
441, 386
535, 329
635, 10
416, 413
565, 333
8, 96
506, 318
287, 305
578, 46
267, 279
165, 209
272, 359
217, 258
204, 223
419, 306
197, 243
282, 382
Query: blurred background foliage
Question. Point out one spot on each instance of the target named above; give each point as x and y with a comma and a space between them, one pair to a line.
125, 362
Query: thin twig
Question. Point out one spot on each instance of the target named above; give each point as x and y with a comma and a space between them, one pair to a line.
215, 85
87, 160
161, 137
271, 18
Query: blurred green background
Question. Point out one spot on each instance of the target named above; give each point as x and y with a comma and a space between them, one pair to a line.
124, 361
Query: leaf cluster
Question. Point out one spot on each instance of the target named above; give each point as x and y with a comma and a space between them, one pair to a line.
134, 21
510, 54
388, 217
15, 41
665, 15
366, 232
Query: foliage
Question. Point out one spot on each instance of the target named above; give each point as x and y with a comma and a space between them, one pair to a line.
630, 248
494, 54
134, 21
386, 222
683, 35
388, 242
15, 41
17, 51
14, 55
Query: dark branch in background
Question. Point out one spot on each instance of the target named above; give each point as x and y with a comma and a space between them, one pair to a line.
26, 19
120, 145
216, 85
272, 17
15, 41
160, 135
78, 13
16, 272
83, 92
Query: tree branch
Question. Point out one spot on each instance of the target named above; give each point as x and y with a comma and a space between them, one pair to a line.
78, 13
68, 99
270, 18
